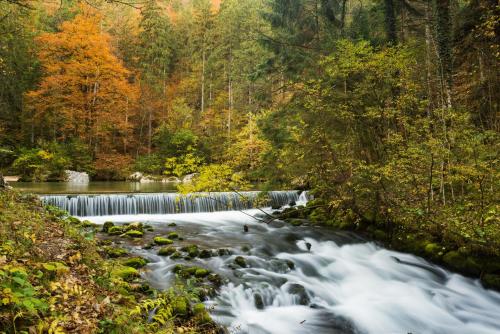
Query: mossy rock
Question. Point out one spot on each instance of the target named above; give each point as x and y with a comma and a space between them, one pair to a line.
460, 262
295, 222
192, 250
198, 308
162, 241
166, 251
200, 273
290, 213
205, 253
176, 255
115, 230
88, 223
258, 301
173, 235
125, 273
134, 234
215, 279
115, 252
433, 250
148, 228
491, 281
106, 226
73, 220
245, 249
135, 262
318, 215
178, 268
380, 235
136, 226
223, 252
180, 306
204, 318
240, 260
172, 224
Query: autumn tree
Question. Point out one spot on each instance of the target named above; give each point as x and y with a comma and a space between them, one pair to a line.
85, 91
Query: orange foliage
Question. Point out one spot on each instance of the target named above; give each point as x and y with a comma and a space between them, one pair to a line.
86, 90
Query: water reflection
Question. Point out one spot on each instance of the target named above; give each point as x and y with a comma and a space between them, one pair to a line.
93, 187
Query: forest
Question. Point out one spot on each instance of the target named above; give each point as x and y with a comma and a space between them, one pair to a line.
386, 111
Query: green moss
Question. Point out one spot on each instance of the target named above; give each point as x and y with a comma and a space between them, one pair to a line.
172, 224
115, 252
173, 235
198, 308
180, 306
200, 272
162, 241
176, 255
318, 215
134, 234
73, 220
491, 281
295, 222
380, 235
135, 262
433, 250
136, 226
115, 230
87, 223
192, 250
205, 253
106, 226
125, 273
166, 251
240, 260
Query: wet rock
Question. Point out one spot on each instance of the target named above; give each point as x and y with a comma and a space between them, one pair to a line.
172, 224
114, 252
173, 235
308, 245
134, 234
224, 252
290, 264
277, 223
115, 230
135, 262
200, 273
136, 226
162, 241
166, 251
240, 260
205, 253
245, 249
258, 301
491, 281
176, 255
276, 207
215, 279
300, 291
292, 203
245, 228
148, 246
192, 250
290, 213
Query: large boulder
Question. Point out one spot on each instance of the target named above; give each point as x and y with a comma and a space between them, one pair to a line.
147, 179
76, 177
137, 176
189, 178
171, 179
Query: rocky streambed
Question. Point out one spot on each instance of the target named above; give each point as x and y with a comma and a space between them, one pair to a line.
278, 277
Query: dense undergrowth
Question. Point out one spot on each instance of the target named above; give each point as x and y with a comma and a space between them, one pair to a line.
53, 279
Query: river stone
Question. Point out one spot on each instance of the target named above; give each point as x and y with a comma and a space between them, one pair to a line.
240, 260
205, 253
223, 252
107, 226
300, 291
259, 303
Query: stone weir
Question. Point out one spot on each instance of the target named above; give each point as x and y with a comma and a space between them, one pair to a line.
168, 203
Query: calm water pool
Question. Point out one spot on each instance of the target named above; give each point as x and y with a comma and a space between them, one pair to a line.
93, 187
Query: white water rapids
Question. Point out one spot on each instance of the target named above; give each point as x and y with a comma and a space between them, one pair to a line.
343, 285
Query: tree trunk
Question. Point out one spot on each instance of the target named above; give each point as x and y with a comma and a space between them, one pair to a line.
390, 22
444, 45
3, 183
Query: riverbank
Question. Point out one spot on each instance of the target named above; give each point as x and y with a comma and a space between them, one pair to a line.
479, 258
56, 277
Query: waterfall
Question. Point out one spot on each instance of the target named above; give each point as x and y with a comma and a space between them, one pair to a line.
165, 203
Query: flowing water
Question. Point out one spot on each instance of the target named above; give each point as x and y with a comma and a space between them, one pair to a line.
343, 284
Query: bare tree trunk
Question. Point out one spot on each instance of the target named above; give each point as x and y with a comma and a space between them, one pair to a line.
203, 79
150, 130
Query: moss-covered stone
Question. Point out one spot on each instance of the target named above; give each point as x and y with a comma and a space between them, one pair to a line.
73, 220
180, 306
106, 226
205, 253
223, 252
136, 226
173, 235
192, 250
172, 224
318, 215
462, 263
380, 235
134, 234
135, 262
115, 230
162, 241
176, 255
433, 250
200, 273
125, 273
198, 308
240, 260
295, 222
491, 281
115, 252
290, 213
166, 251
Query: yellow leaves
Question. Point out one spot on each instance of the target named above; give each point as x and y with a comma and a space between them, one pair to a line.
75, 258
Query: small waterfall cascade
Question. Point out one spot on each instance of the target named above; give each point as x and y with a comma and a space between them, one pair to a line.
168, 203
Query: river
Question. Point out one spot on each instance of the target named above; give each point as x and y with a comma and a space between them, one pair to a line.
344, 284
